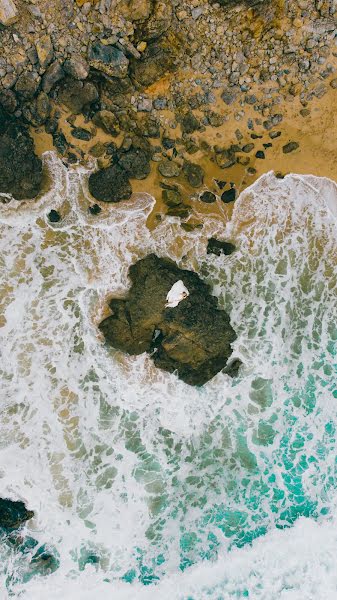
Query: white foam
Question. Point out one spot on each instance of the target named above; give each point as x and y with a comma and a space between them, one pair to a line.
102, 446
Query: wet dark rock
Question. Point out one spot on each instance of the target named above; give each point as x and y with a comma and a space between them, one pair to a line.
28, 84
193, 339
228, 195
37, 111
8, 100
20, 168
94, 209
53, 74
260, 154
81, 134
109, 60
218, 247
171, 197
110, 185
274, 134
13, 514
158, 23
207, 197
60, 142
77, 95
169, 168
106, 120
54, 216
77, 67
136, 163
155, 62
189, 123
229, 95
168, 143
194, 174
248, 148
221, 184
182, 211
290, 147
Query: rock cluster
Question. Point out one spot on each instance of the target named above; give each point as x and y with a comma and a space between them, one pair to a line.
192, 339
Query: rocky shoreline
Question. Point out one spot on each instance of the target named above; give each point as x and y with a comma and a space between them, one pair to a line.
129, 83
188, 100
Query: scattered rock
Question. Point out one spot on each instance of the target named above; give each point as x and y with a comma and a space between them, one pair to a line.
171, 198
193, 339
217, 247
53, 74
136, 163
169, 168
8, 12
109, 60
228, 195
110, 185
54, 216
137, 10
248, 148
260, 154
94, 209
189, 123
290, 147
45, 51
333, 84
194, 174
76, 95
37, 111
107, 121
28, 84
81, 134
155, 62
13, 514
77, 67
207, 197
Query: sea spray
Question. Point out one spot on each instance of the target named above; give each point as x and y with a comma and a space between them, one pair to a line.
135, 477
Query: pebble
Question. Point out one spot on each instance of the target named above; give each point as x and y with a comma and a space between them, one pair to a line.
228, 196
207, 197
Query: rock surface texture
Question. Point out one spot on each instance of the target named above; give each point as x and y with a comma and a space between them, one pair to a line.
192, 339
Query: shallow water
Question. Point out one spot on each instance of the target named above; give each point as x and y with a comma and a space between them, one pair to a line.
142, 485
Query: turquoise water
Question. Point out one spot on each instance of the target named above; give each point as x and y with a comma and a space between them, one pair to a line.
135, 477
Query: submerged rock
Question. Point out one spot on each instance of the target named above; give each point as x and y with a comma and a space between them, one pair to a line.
192, 338
13, 514
20, 168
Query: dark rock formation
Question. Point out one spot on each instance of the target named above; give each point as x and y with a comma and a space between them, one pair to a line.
13, 514
20, 168
194, 338
155, 62
76, 94
110, 185
217, 247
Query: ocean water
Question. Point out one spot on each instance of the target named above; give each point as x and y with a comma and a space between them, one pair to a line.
142, 486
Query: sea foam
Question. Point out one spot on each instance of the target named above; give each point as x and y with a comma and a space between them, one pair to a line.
140, 484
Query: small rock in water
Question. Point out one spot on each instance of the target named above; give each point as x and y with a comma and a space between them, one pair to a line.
177, 293
260, 154
54, 216
95, 209
228, 196
207, 197
168, 168
81, 134
290, 147
217, 247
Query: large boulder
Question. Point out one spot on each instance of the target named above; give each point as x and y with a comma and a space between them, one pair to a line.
20, 168
192, 338
110, 185
13, 514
